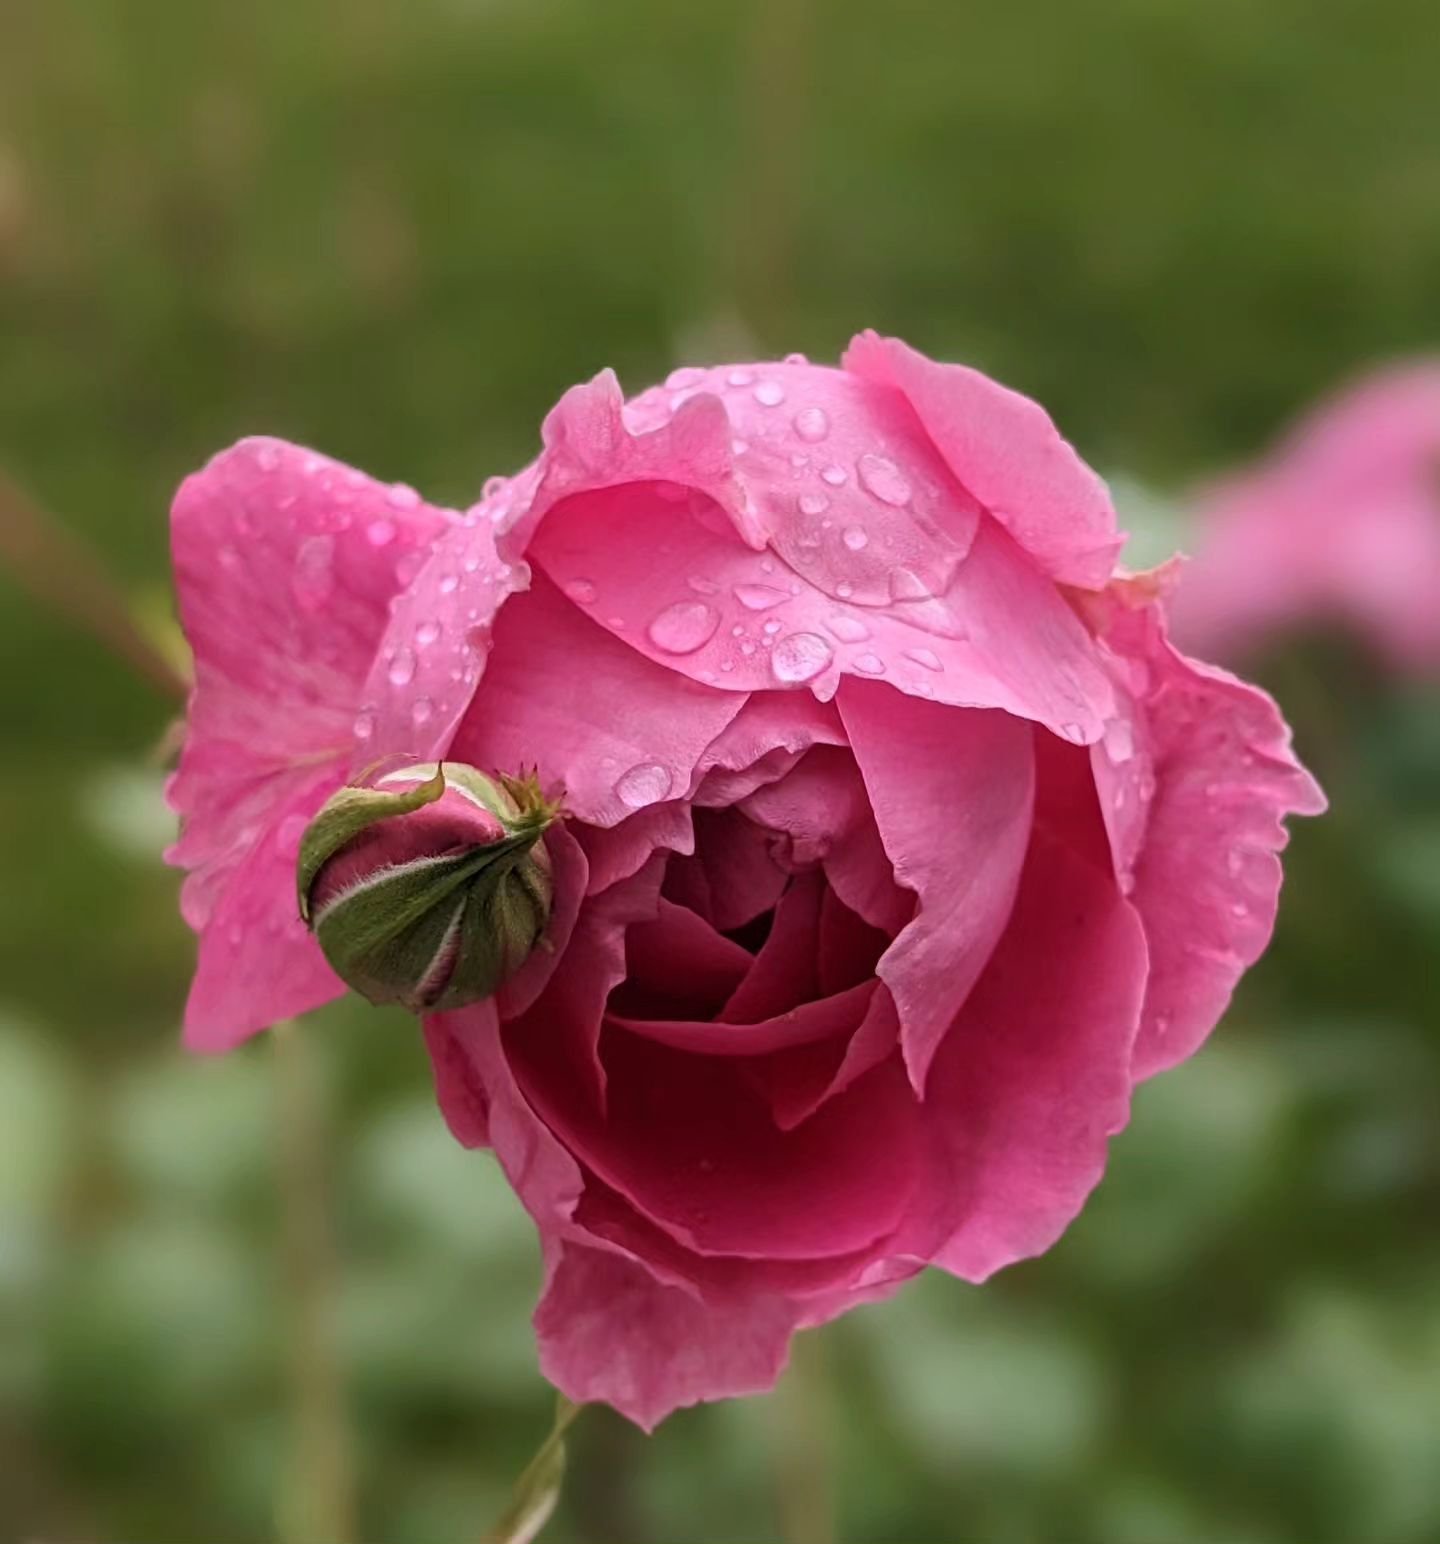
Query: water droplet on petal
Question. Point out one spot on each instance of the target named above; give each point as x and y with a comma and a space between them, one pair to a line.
1119, 740
1075, 733
402, 497
760, 597
844, 589
871, 664
836, 476
449, 583
856, 538
796, 359
647, 782
493, 486
364, 725
907, 585
426, 634
800, 657
883, 480
702, 586
847, 629
739, 446
380, 533
771, 627
1239, 909
739, 378
812, 425
769, 394
402, 667
314, 579
686, 375
747, 648
813, 503
421, 712
926, 657
684, 627
581, 590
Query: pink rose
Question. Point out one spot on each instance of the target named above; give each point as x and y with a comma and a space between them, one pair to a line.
901, 842
1340, 525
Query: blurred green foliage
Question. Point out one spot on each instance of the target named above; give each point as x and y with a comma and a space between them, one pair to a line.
398, 232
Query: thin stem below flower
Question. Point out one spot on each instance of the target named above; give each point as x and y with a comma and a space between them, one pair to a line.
536, 1492
317, 1503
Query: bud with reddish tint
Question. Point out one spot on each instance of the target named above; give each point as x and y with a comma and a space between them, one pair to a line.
429, 886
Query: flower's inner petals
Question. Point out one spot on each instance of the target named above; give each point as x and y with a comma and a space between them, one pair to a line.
847, 948
815, 805
677, 966
953, 796
1005, 451
615, 732
1034, 1077
733, 877
784, 974
694, 1147
567, 1015
830, 1018
615, 852
762, 742
1067, 807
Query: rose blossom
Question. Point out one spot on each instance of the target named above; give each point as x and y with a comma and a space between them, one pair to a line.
901, 844
1339, 525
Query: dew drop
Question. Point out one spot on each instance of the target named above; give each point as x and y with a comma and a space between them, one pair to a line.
871, 664
364, 725
882, 479
471, 564
769, 394
799, 461
380, 533
426, 634
855, 538
683, 627
402, 497
847, 629
907, 585
772, 627
739, 447
702, 586
581, 590
796, 359
492, 487
314, 572
812, 425
924, 689
686, 375
925, 657
760, 597
836, 476
449, 583
1119, 740
402, 667
747, 648
739, 378
1239, 909
813, 503
646, 782
800, 657
421, 712
844, 589
1075, 733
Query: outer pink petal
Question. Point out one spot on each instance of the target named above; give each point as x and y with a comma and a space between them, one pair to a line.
1006, 451
285, 565
1035, 1075
615, 731
953, 795
609, 1331
1207, 879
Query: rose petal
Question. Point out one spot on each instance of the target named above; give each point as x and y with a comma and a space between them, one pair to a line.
283, 589
677, 966
952, 795
732, 877
783, 975
1035, 1075
1207, 880
1005, 450
617, 732
826, 1018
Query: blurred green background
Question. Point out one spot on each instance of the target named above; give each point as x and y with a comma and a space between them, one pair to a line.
397, 232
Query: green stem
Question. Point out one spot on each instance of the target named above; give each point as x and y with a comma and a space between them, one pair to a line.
533, 1499
317, 1504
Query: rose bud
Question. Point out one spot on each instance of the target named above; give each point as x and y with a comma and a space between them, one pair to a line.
429, 887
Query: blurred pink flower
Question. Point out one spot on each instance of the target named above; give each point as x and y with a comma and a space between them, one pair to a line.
902, 844
1339, 525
